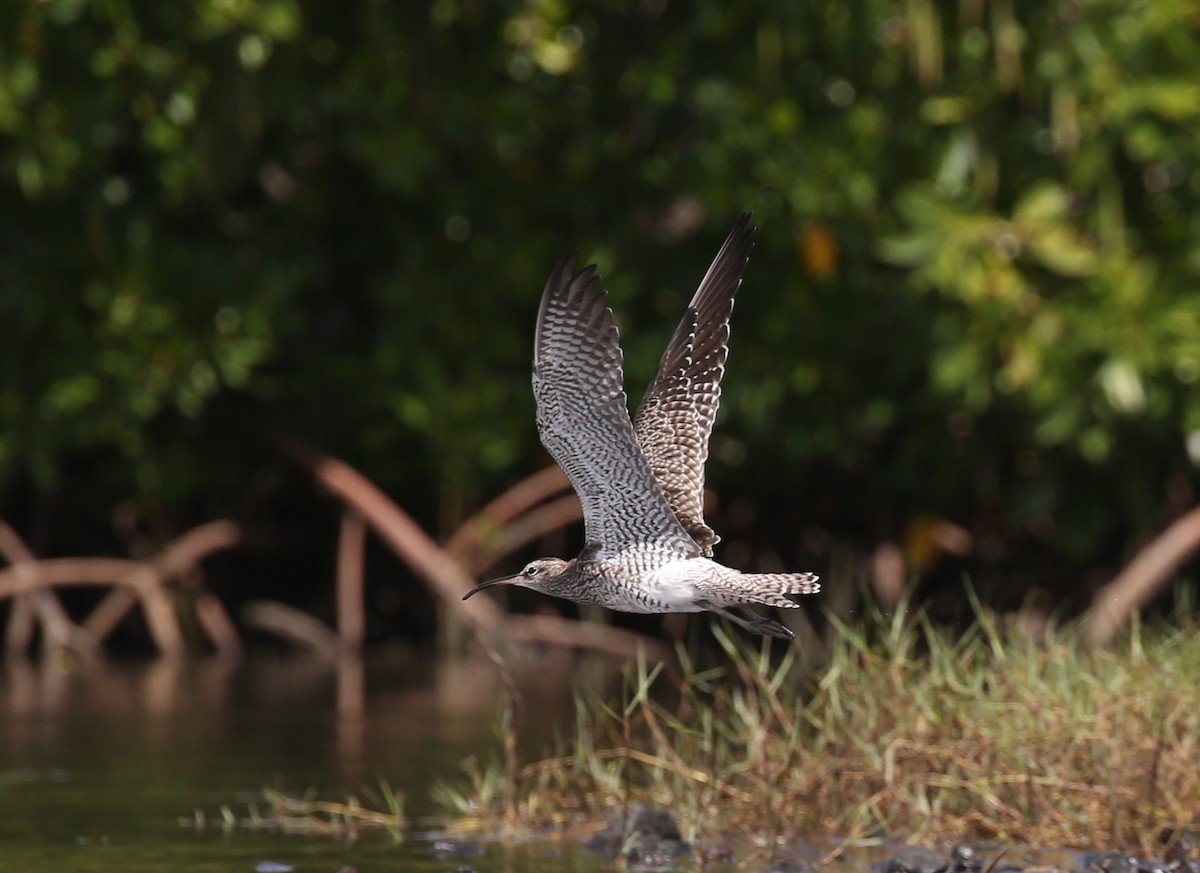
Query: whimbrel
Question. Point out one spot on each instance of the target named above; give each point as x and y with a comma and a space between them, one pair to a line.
641, 482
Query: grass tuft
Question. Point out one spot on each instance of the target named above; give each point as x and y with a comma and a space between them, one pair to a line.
908, 729
305, 814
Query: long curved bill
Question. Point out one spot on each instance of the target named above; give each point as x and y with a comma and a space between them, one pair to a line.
503, 580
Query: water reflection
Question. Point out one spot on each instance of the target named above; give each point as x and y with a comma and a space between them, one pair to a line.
103, 756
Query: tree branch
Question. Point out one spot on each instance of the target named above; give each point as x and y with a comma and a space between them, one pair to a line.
1150, 570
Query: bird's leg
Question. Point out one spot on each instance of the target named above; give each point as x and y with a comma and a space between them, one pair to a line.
747, 618
766, 627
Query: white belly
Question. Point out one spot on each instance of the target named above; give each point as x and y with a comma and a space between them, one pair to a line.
667, 588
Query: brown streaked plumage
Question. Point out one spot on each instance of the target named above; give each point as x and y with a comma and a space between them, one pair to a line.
642, 485
676, 416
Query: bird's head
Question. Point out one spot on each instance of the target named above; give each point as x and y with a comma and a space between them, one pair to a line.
540, 575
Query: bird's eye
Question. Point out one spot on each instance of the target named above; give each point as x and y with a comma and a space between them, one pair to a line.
531, 570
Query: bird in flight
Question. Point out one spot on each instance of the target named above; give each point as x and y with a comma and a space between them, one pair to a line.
641, 482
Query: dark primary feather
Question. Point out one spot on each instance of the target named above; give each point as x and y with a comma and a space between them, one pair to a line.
675, 420
583, 419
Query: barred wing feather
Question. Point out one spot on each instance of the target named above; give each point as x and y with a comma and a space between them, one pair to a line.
675, 419
583, 419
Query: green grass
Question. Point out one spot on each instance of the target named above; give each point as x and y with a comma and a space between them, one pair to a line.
906, 730
280, 812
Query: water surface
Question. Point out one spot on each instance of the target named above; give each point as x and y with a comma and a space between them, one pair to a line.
98, 766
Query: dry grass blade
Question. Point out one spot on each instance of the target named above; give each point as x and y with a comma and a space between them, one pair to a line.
307, 815
907, 730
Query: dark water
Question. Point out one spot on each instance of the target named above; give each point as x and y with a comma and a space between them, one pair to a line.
98, 766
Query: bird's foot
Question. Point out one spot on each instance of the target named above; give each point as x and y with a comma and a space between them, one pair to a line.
768, 628
749, 619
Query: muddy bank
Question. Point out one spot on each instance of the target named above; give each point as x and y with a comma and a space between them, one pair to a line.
650, 839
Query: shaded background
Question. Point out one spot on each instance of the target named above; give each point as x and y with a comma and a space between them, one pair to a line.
969, 336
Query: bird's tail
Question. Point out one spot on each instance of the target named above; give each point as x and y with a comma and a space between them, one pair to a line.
767, 588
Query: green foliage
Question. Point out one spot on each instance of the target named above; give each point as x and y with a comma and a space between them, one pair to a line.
973, 295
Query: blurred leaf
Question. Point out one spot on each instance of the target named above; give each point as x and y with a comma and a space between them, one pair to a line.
976, 246
1062, 251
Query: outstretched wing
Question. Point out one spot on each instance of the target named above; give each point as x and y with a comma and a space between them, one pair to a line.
676, 417
583, 419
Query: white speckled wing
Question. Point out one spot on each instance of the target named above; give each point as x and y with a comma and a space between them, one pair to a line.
675, 419
583, 418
